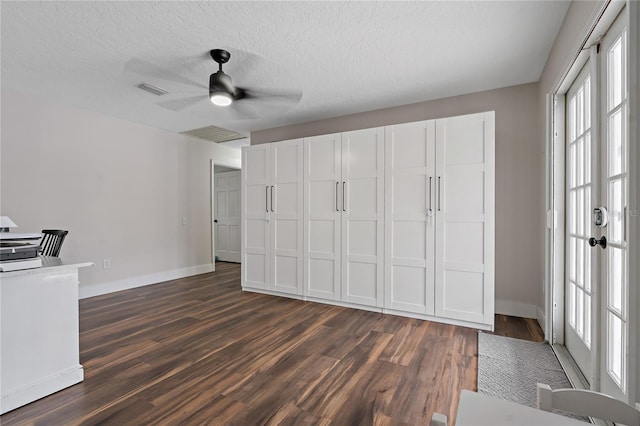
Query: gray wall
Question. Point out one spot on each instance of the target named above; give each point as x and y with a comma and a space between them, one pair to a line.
519, 178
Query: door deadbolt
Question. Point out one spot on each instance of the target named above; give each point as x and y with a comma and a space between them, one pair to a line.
600, 216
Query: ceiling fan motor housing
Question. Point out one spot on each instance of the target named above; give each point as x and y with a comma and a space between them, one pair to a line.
221, 82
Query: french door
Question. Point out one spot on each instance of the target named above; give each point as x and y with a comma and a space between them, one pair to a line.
596, 285
581, 190
614, 186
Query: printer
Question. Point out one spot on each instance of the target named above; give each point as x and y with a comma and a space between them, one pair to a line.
18, 250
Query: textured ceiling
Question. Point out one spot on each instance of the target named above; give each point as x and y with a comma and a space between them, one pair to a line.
346, 57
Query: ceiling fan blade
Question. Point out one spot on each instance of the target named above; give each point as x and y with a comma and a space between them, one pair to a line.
289, 96
148, 69
182, 103
241, 111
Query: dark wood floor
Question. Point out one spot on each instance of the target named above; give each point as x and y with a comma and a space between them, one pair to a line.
200, 351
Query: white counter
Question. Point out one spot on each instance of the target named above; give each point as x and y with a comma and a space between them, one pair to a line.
39, 332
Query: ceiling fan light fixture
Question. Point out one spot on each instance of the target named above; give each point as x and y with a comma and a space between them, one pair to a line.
221, 98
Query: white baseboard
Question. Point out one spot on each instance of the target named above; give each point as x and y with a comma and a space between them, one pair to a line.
516, 309
381, 310
15, 398
540, 317
91, 290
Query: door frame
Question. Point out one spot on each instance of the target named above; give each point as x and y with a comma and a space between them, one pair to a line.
553, 289
212, 193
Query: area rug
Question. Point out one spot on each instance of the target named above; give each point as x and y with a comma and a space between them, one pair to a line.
510, 368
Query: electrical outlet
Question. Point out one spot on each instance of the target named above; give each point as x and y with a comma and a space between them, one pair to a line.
106, 263
184, 220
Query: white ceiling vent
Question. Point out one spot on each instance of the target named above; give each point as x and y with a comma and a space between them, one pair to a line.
152, 89
214, 134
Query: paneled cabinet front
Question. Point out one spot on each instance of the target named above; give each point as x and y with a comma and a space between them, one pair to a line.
410, 217
272, 217
440, 218
344, 217
465, 167
397, 219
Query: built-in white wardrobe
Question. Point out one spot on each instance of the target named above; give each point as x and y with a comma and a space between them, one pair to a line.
272, 217
396, 219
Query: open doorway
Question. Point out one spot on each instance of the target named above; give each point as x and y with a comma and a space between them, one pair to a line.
225, 209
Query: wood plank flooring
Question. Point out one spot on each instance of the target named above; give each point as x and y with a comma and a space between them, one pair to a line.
200, 351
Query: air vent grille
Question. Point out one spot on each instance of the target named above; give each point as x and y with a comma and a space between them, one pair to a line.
214, 134
152, 89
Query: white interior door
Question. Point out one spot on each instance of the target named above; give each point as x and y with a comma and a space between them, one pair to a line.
465, 162
256, 174
285, 193
614, 183
227, 215
322, 216
409, 217
580, 260
363, 216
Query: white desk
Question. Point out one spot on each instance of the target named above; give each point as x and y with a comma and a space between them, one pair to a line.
477, 409
39, 335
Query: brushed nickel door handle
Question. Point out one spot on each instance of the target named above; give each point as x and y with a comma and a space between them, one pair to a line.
439, 192
430, 194
271, 197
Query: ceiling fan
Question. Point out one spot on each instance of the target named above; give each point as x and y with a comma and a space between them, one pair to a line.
233, 101
221, 90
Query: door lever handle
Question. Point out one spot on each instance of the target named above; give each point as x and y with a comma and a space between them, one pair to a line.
602, 242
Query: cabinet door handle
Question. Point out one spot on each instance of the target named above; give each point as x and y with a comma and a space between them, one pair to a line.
266, 198
343, 206
337, 189
439, 192
430, 194
271, 197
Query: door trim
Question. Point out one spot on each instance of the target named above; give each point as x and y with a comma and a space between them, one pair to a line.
634, 195
212, 195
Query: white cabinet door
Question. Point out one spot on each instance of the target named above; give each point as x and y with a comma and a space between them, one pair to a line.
409, 217
286, 212
256, 238
363, 217
227, 215
322, 214
465, 218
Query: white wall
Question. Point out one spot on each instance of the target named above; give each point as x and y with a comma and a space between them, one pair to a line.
519, 178
120, 188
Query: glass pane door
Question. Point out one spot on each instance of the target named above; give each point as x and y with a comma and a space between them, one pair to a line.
579, 176
614, 186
